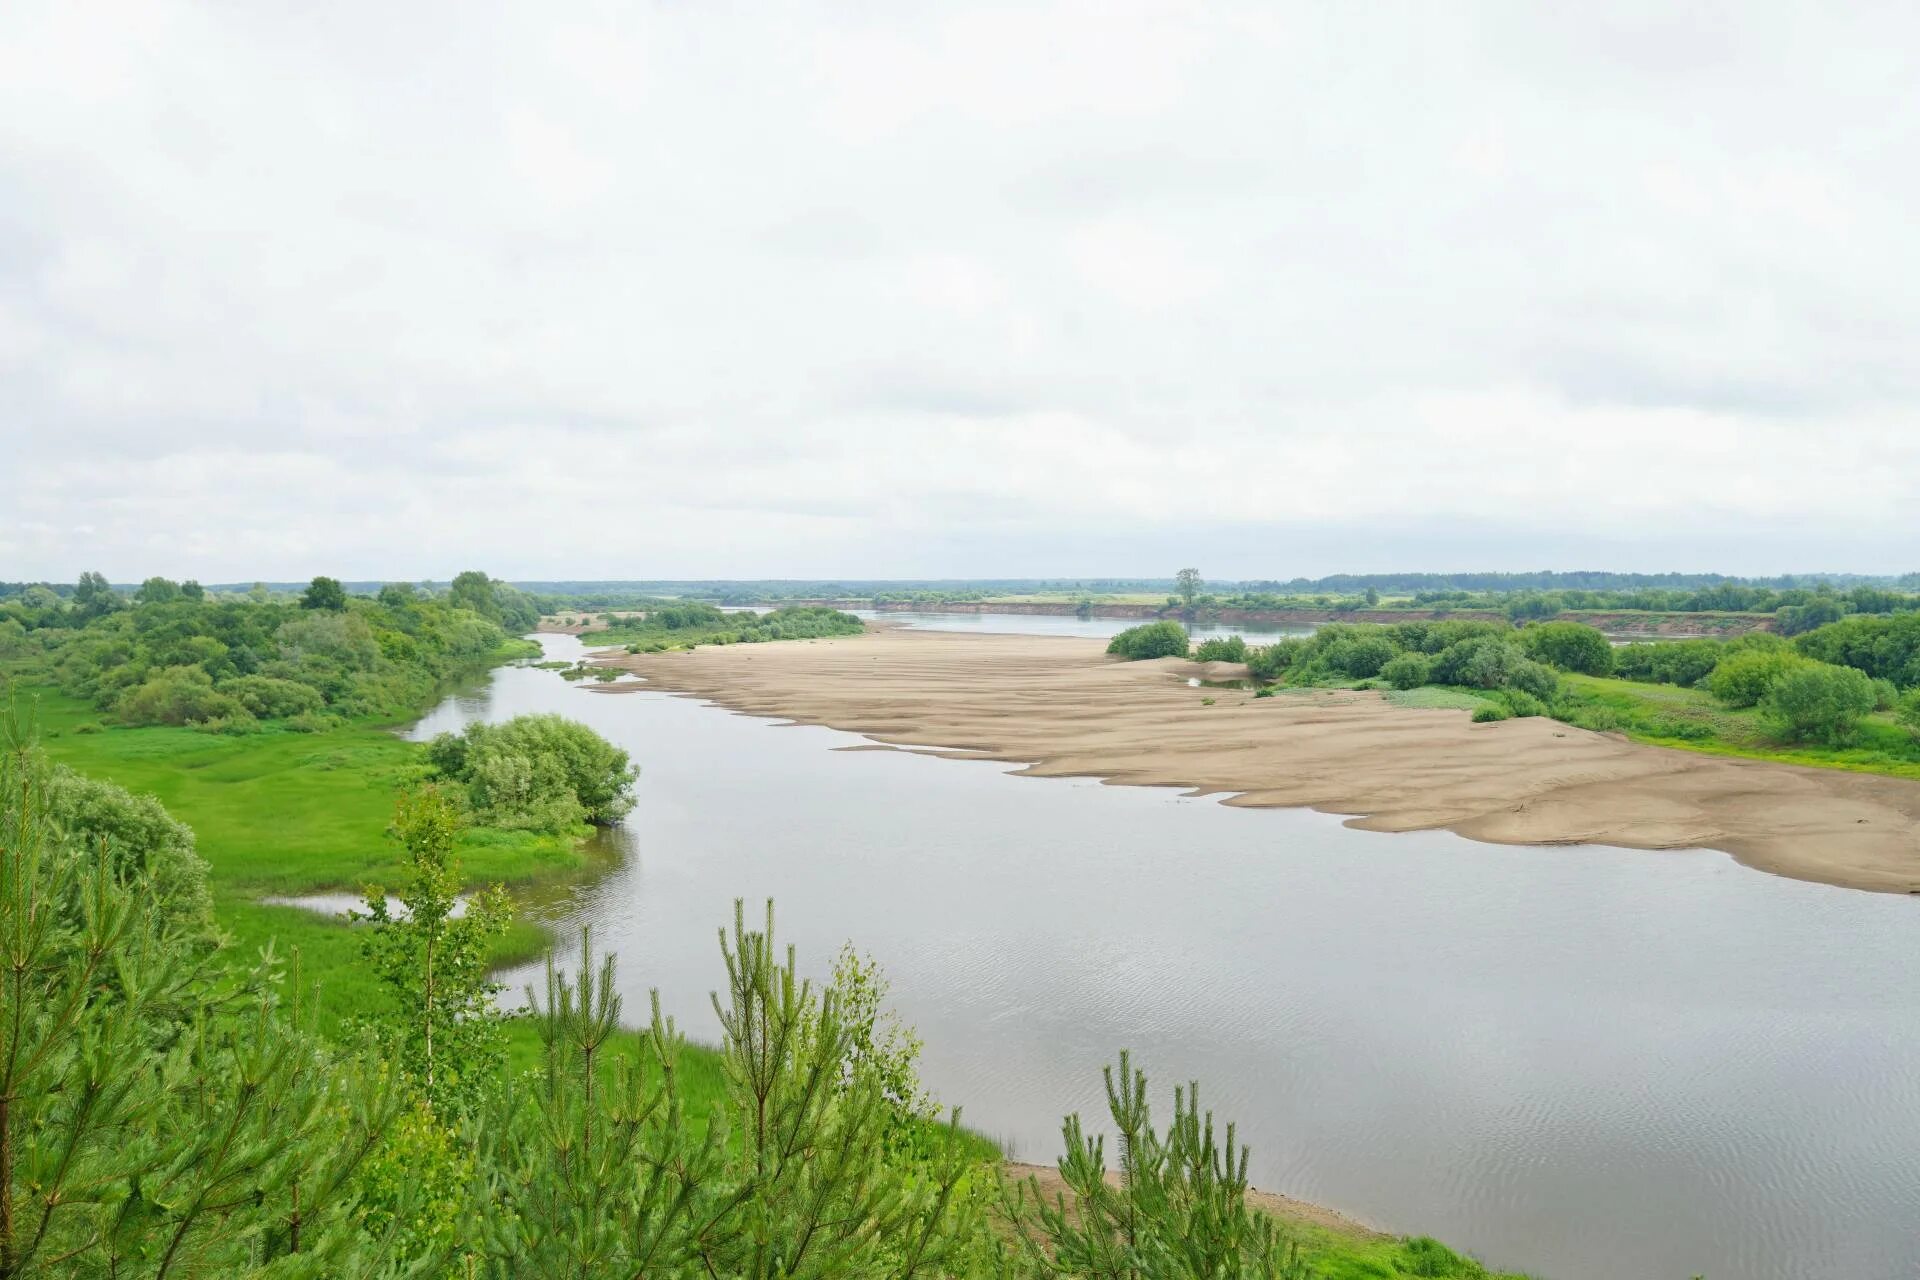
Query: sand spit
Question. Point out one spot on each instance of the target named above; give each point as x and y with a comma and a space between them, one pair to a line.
1061, 707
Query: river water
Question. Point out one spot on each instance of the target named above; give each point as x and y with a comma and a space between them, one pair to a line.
1037, 624
1586, 1062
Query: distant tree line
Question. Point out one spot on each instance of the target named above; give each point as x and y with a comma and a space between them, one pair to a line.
173, 654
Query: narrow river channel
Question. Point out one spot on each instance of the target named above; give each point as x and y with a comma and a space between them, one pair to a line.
1589, 1063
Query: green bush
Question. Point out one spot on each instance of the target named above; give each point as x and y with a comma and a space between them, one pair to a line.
1489, 712
272, 699
1819, 703
537, 772
1164, 639
178, 695
1270, 662
1519, 703
1221, 649
1407, 671
1570, 646
1907, 711
1742, 678
1883, 645
1360, 657
1681, 662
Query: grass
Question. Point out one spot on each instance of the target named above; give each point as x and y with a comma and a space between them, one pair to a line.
283, 813
1436, 697
1689, 719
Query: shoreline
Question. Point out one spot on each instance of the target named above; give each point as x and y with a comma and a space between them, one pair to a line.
1058, 707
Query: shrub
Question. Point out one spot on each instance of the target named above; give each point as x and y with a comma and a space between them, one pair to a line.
1482, 663
1519, 703
1885, 696
1270, 662
178, 695
1268, 693
1222, 649
1407, 671
1819, 703
1570, 646
272, 699
1743, 678
1907, 712
1532, 678
1681, 662
537, 772
1488, 713
1883, 645
1164, 639
1360, 657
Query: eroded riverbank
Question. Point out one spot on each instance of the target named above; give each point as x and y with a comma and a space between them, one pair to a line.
1062, 709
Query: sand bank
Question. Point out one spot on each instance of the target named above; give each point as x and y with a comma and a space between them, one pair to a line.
1063, 709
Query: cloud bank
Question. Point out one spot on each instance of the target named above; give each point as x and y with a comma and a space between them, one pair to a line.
902, 290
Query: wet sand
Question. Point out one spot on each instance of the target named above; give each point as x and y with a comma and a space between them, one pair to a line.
1062, 708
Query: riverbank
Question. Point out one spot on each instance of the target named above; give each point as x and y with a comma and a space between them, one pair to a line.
1060, 708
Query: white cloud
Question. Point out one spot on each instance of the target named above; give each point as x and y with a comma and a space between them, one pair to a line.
950, 289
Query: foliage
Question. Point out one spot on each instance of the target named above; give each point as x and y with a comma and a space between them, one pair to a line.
434, 958
1221, 649
1907, 712
1742, 679
1179, 1208
1163, 639
537, 773
1407, 671
596, 1169
187, 660
688, 625
1819, 703
1681, 662
1360, 656
324, 593
159, 1120
1570, 646
1887, 647
1187, 585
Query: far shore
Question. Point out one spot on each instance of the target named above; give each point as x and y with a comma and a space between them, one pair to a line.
1061, 708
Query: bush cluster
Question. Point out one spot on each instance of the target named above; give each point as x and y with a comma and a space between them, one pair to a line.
1165, 639
180, 658
536, 773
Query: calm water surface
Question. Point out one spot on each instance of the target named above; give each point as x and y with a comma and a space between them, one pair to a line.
1590, 1063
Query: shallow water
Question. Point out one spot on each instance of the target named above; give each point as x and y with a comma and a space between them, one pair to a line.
1587, 1062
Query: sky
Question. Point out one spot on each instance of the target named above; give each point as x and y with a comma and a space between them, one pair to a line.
899, 289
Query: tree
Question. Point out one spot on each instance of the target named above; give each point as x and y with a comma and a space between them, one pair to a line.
1373, 597
537, 772
1819, 703
474, 590
434, 960
1907, 711
157, 591
93, 595
1179, 1207
192, 590
398, 595
1187, 582
159, 1116
1570, 646
324, 593
1742, 679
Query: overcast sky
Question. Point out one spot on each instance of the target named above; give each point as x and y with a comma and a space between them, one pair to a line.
903, 289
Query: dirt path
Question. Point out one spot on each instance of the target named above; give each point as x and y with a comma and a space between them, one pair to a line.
1063, 709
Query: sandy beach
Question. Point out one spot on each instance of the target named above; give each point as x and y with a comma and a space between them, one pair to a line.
1061, 708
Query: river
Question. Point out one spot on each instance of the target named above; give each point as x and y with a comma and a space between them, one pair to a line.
1045, 624
1586, 1062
